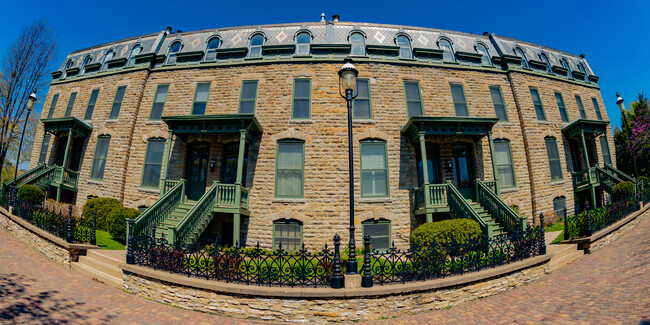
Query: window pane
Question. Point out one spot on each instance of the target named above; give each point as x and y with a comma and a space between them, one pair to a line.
303, 38
558, 206
161, 94
379, 235
99, 160
91, 104
551, 149
300, 109
257, 40
302, 88
503, 161
458, 97
249, 90
289, 235
499, 107
414, 109
153, 163
202, 91
361, 109
580, 107
175, 47
214, 43
198, 109
68, 110
55, 99
374, 174
553, 159
373, 156
247, 107
561, 107
44, 146
155, 150
117, 103
597, 108
289, 179
412, 91
604, 147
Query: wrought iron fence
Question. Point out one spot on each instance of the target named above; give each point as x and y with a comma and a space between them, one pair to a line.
588, 221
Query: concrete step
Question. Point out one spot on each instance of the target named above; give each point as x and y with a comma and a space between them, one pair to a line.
104, 267
112, 257
564, 256
98, 275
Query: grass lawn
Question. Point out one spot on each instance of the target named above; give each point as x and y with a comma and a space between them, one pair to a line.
556, 226
105, 241
559, 238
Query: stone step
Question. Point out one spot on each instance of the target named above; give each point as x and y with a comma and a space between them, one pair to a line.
564, 257
98, 275
112, 257
99, 265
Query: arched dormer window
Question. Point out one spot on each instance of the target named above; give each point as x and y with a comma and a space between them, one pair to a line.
68, 64
358, 44
448, 54
171, 53
565, 64
485, 55
255, 47
404, 44
211, 48
134, 51
524, 60
85, 62
109, 56
581, 68
303, 39
544, 59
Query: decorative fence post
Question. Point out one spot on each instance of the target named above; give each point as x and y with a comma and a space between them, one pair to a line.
129, 243
589, 230
93, 238
567, 236
366, 279
153, 249
542, 238
337, 276
14, 189
68, 232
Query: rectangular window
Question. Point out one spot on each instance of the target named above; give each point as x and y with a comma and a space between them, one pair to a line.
248, 97
53, 106
44, 146
604, 147
91, 104
289, 234
153, 163
374, 169
553, 159
200, 98
361, 104
99, 161
159, 102
458, 97
597, 108
580, 107
539, 109
413, 98
379, 231
290, 170
301, 99
68, 109
561, 107
499, 106
503, 161
558, 206
117, 102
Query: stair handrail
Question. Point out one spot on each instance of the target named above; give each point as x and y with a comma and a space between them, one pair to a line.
462, 209
619, 174
607, 173
196, 218
43, 179
160, 209
505, 216
25, 176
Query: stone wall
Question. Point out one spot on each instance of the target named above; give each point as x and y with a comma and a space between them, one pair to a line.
609, 238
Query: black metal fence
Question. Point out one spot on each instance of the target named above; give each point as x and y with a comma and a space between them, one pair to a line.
587, 222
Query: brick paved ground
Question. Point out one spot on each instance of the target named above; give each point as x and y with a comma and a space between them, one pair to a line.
610, 286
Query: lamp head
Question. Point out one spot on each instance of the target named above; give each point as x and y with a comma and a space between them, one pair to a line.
31, 100
348, 75
619, 102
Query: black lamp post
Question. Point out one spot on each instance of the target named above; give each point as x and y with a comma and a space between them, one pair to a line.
30, 104
348, 84
621, 106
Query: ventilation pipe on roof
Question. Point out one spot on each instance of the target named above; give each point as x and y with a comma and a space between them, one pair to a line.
582, 55
178, 31
336, 18
168, 30
322, 17
486, 33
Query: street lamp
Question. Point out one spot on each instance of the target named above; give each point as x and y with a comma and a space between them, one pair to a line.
347, 85
621, 106
30, 104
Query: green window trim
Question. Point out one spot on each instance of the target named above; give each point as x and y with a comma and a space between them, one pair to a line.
504, 163
158, 105
597, 109
499, 104
561, 107
559, 204
581, 107
413, 98
604, 147
379, 241
71, 100
289, 233
553, 155
42, 156
459, 99
91, 104
301, 96
248, 103
362, 102
117, 103
55, 99
200, 101
374, 173
100, 157
537, 103
152, 166
290, 169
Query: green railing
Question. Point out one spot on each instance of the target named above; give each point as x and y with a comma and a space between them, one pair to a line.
607, 179
492, 185
227, 195
24, 177
43, 179
462, 209
505, 216
619, 174
197, 219
244, 197
431, 195
66, 176
160, 209
585, 177
168, 185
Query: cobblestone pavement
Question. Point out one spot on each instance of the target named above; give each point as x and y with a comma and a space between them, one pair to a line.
610, 286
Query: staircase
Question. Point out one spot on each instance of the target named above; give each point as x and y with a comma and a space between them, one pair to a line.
495, 228
174, 218
102, 265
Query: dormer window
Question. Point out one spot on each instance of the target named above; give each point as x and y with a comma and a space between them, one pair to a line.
171, 53
68, 64
358, 44
565, 64
134, 51
211, 49
485, 55
544, 59
404, 44
86, 61
107, 57
524, 61
448, 54
303, 39
255, 48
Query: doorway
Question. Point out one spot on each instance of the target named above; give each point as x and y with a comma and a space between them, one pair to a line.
229, 164
463, 169
196, 170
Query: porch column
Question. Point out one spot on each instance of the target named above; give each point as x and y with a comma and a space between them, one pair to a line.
425, 174
65, 162
163, 172
494, 165
584, 148
240, 171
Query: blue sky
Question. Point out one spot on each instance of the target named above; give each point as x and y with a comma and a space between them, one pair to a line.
612, 35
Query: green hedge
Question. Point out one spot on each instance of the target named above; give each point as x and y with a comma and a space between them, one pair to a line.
623, 189
31, 193
104, 207
444, 232
118, 219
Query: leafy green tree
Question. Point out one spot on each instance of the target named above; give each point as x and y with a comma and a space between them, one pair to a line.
637, 125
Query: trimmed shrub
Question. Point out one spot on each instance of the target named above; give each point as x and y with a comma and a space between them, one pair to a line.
104, 206
623, 190
31, 193
444, 232
118, 219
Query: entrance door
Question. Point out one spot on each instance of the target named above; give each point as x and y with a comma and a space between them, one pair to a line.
591, 152
197, 170
433, 165
463, 169
229, 164
76, 150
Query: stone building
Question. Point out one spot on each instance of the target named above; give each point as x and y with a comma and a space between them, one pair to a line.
240, 135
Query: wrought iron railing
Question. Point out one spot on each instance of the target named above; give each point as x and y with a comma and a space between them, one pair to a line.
196, 219
160, 209
462, 209
645, 194
431, 195
24, 177
587, 222
505, 216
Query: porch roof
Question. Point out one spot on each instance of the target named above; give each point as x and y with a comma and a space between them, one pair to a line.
222, 123
72, 124
447, 125
586, 126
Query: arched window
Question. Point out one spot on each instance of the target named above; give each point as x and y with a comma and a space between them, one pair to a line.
211, 49
520, 53
544, 59
581, 68
171, 53
448, 54
68, 64
85, 62
404, 47
565, 64
302, 43
358, 43
559, 205
109, 56
134, 51
482, 50
255, 48
379, 231
288, 233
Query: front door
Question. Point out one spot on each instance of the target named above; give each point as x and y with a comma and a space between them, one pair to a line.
197, 170
463, 169
76, 150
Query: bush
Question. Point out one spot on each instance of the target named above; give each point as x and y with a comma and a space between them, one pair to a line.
31, 193
623, 190
644, 181
444, 232
118, 219
104, 206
